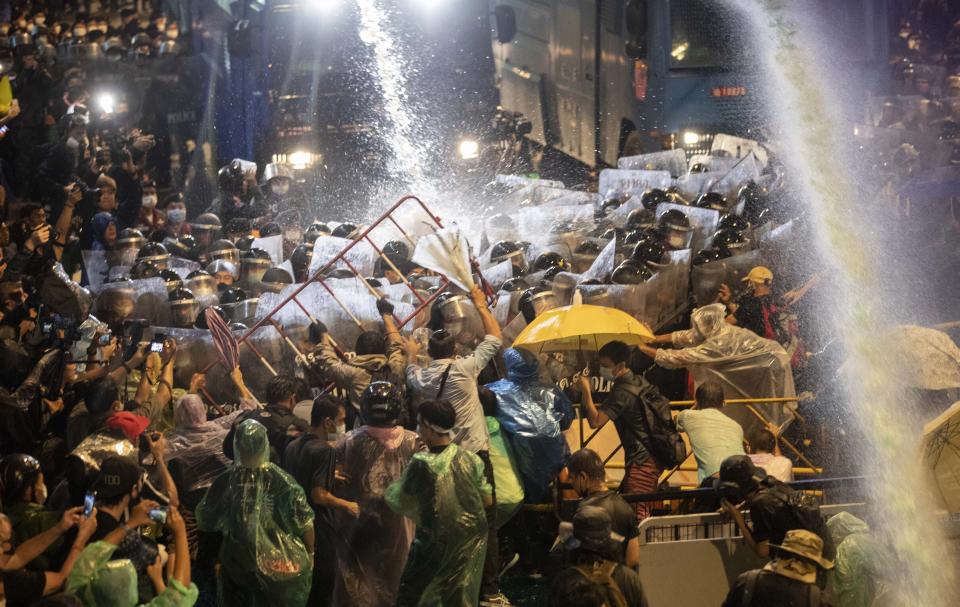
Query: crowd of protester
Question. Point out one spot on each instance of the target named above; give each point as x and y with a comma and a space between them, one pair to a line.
388, 475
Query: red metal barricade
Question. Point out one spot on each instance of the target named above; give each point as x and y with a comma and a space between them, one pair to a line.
319, 277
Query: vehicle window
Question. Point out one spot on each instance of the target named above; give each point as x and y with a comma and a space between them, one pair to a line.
701, 35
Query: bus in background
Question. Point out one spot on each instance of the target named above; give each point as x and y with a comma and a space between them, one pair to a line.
601, 79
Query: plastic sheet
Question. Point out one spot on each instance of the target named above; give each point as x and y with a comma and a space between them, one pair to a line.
747, 366
672, 161
861, 566
372, 548
446, 251
506, 475
602, 266
620, 181
443, 494
532, 416
97, 447
738, 147
703, 221
272, 245
262, 514
182, 266
62, 295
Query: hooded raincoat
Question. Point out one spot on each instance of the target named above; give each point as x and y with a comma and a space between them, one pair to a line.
533, 416
98, 229
443, 494
262, 514
747, 366
372, 548
861, 563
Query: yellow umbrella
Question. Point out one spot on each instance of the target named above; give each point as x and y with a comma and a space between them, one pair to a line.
581, 327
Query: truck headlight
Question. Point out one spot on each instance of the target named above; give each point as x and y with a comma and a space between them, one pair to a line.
468, 149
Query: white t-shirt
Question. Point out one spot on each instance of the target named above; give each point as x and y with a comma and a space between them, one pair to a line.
777, 466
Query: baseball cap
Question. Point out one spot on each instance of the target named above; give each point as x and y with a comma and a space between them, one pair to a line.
759, 274
118, 476
130, 424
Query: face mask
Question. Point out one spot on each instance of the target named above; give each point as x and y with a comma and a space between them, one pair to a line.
177, 215
149, 201
280, 188
341, 430
72, 143
607, 373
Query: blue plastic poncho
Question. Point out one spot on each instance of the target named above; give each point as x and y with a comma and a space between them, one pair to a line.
372, 548
533, 416
98, 229
443, 494
263, 515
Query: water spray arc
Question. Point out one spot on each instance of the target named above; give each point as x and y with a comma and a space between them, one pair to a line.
807, 118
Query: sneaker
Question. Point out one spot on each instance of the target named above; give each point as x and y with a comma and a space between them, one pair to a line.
495, 600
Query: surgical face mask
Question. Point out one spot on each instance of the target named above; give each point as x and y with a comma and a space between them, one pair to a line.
607, 373
280, 187
177, 215
149, 201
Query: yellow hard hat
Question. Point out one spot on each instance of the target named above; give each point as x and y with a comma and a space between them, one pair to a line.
759, 274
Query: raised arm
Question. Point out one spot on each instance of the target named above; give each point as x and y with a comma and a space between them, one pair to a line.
490, 324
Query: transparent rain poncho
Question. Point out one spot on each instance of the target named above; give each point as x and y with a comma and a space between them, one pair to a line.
862, 563
443, 494
532, 416
747, 366
372, 548
262, 514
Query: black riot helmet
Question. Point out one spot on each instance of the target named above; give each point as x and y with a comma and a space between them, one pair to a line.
650, 251
613, 234
172, 279
730, 241
651, 198
550, 259
611, 203
315, 231
396, 249
640, 219
675, 220
232, 295
514, 284
380, 405
144, 269
230, 179
201, 321
270, 228
587, 247
345, 230
507, 249
18, 472
631, 272
155, 252
535, 300
713, 200
551, 273
706, 256
300, 260
734, 223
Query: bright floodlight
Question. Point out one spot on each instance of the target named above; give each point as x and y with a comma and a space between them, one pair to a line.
107, 102
469, 149
300, 160
690, 138
324, 6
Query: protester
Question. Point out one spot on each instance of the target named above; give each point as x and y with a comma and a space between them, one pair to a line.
266, 524
789, 579
592, 548
765, 454
533, 416
774, 507
588, 477
311, 459
626, 406
864, 564
455, 380
444, 491
371, 458
713, 436
277, 416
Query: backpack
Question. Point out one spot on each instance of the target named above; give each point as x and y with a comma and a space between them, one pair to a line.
601, 574
805, 510
750, 588
664, 441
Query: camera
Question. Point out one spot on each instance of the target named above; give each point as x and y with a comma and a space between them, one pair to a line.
158, 515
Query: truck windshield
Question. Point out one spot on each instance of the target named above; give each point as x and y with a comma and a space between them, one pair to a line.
701, 35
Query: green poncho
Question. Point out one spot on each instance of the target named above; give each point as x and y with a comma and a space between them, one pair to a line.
262, 514
858, 575
443, 493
